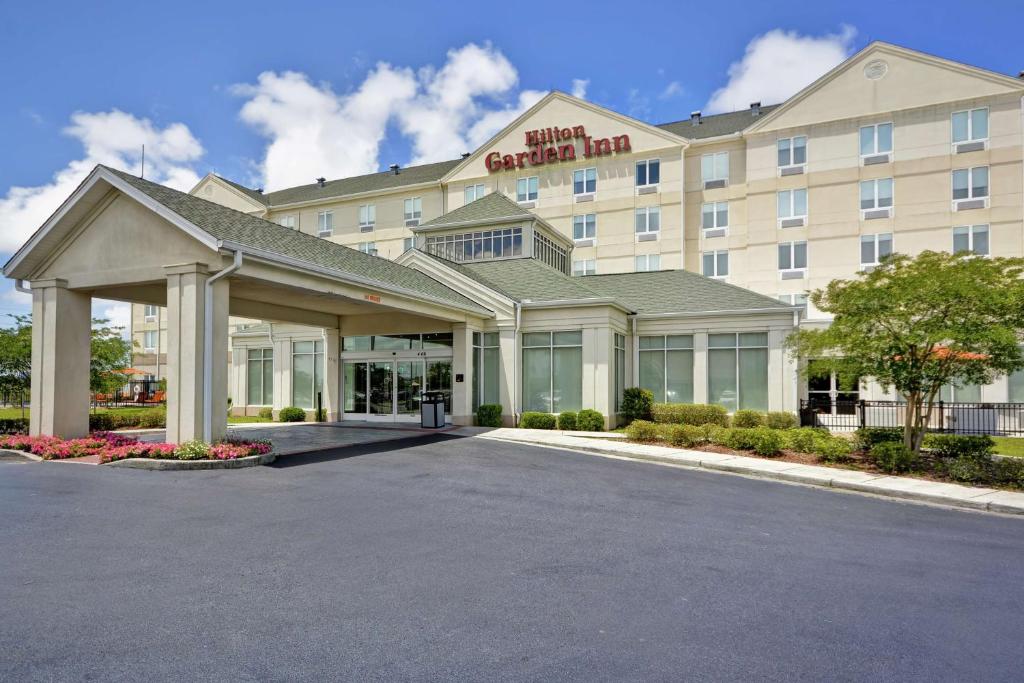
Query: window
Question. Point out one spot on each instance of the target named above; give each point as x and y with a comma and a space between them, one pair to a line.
970, 126
477, 246
619, 369
413, 208
716, 263
486, 369
647, 262
552, 371
876, 139
793, 256
474, 192
1015, 386
954, 393
546, 251
738, 370
260, 377
408, 243
970, 183
873, 248
714, 167
971, 238
584, 267
307, 372
666, 367
149, 341
398, 342
792, 204
287, 221
584, 227
648, 172
715, 215
367, 247
648, 219
875, 194
794, 299
526, 189
792, 151
367, 216
325, 223
149, 313
584, 181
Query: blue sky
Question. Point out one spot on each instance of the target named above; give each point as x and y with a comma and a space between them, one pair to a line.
85, 82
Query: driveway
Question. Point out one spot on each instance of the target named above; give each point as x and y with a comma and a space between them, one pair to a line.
445, 558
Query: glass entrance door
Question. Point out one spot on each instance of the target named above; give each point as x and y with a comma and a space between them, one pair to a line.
409, 387
382, 400
392, 390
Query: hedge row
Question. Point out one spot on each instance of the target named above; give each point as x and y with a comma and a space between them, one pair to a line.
762, 440
585, 420
702, 414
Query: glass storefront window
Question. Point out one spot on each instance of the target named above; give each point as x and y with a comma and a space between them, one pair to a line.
486, 369
666, 367
738, 370
553, 371
307, 373
260, 377
620, 369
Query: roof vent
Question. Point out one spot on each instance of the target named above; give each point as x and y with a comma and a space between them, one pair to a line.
695, 117
259, 190
465, 155
755, 108
321, 181
1020, 75
394, 169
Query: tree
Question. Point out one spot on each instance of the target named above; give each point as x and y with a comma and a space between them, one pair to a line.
917, 324
16, 358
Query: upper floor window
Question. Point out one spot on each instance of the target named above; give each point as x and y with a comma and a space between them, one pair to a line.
714, 167
793, 256
648, 172
408, 243
648, 219
794, 300
584, 227
792, 151
584, 267
325, 223
413, 208
970, 183
474, 192
792, 203
715, 263
873, 248
971, 238
970, 126
647, 262
287, 221
715, 215
149, 313
367, 215
526, 189
875, 194
149, 341
584, 181
368, 248
876, 139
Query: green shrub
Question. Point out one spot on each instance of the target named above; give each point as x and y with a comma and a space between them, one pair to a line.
266, 413
781, 420
802, 439
767, 441
740, 438
488, 415
192, 450
567, 421
747, 418
530, 420
588, 420
979, 447
14, 425
101, 422
866, 438
690, 414
636, 404
968, 469
686, 436
717, 434
643, 430
153, 418
1008, 471
831, 449
292, 414
893, 457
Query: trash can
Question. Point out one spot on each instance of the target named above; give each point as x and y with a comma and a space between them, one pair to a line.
432, 409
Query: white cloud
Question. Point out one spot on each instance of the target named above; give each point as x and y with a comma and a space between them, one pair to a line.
579, 87
673, 89
443, 112
114, 138
777, 65
116, 313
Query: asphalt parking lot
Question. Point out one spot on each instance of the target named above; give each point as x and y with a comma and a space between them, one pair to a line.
447, 558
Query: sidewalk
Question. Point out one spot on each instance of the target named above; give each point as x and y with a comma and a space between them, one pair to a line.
905, 488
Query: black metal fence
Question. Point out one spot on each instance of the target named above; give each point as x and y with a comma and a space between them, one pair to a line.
134, 392
951, 418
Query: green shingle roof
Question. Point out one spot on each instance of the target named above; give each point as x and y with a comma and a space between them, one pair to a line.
493, 208
716, 124
234, 226
373, 182
525, 279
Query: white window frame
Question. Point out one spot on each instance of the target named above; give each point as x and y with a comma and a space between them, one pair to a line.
586, 267
367, 247
146, 336
794, 299
970, 184
972, 230
713, 157
287, 221
792, 148
714, 254
478, 191
582, 219
646, 212
325, 223
970, 126
261, 360
529, 195
646, 164
408, 243
589, 170
792, 205
412, 208
876, 207
714, 214
792, 258
646, 259
367, 216
147, 315
875, 239
874, 136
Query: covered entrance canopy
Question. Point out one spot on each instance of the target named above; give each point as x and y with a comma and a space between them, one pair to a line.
125, 238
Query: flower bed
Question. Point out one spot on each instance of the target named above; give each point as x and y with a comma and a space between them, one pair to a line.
110, 446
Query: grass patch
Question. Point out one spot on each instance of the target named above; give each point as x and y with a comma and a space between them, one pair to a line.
244, 419
1008, 445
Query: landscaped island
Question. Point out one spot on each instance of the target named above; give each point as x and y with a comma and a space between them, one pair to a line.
110, 446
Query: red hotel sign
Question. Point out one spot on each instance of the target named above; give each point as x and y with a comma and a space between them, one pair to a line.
551, 145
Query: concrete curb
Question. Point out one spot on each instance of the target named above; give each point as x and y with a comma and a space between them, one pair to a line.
154, 464
25, 454
903, 488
